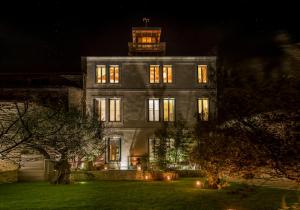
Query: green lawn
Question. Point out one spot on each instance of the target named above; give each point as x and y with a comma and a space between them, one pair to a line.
131, 195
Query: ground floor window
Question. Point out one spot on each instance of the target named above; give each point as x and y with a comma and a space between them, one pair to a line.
114, 149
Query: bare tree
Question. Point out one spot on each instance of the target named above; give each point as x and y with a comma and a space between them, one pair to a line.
58, 133
12, 116
268, 141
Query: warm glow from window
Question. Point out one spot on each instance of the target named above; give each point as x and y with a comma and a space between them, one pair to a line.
203, 109
169, 109
202, 73
146, 39
114, 73
167, 74
114, 149
153, 107
114, 109
154, 73
100, 74
100, 108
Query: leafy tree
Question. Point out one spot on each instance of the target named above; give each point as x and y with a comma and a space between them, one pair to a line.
181, 142
160, 146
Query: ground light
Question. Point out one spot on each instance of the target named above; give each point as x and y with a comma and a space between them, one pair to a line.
199, 184
82, 182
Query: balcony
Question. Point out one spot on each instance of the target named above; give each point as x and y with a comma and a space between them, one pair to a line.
146, 47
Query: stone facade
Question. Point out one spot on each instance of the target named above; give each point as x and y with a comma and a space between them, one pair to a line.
134, 89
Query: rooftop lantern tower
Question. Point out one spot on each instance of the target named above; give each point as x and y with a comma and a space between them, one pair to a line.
146, 41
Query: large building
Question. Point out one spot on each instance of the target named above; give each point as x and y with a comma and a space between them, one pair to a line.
133, 95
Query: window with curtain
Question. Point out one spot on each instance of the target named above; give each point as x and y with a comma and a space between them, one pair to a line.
114, 109
100, 74
167, 74
154, 73
100, 108
202, 73
169, 109
203, 109
114, 74
153, 110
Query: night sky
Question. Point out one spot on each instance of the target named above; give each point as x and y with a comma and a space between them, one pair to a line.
50, 36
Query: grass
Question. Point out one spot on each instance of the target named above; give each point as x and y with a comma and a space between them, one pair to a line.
132, 195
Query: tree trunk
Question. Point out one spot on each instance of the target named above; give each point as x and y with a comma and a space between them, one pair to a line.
63, 169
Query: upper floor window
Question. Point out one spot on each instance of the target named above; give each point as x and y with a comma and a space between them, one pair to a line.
153, 110
114, 74
202, 73
100, 108
169, 109
114, 149
167, 74
203, 109
114, 109
100, 74
154, 73
146, 39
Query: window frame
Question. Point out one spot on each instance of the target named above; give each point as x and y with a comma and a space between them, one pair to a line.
97, 100
148, 109
96, 74
174, 109
114, 73
109, 150
169, 68
201, 115
115, 106
200, 80
154, 65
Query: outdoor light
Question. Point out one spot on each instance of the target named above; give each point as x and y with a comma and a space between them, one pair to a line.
168, 178
146, 177
139, 168
105, 167
199, 184
82, 182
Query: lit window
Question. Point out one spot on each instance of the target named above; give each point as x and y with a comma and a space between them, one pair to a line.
153, 107
100, 74
202, 73
114, 149
100, 108
154, 73
203, 109
146, 40
167, 74
114, 73
169, 109
114, 109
